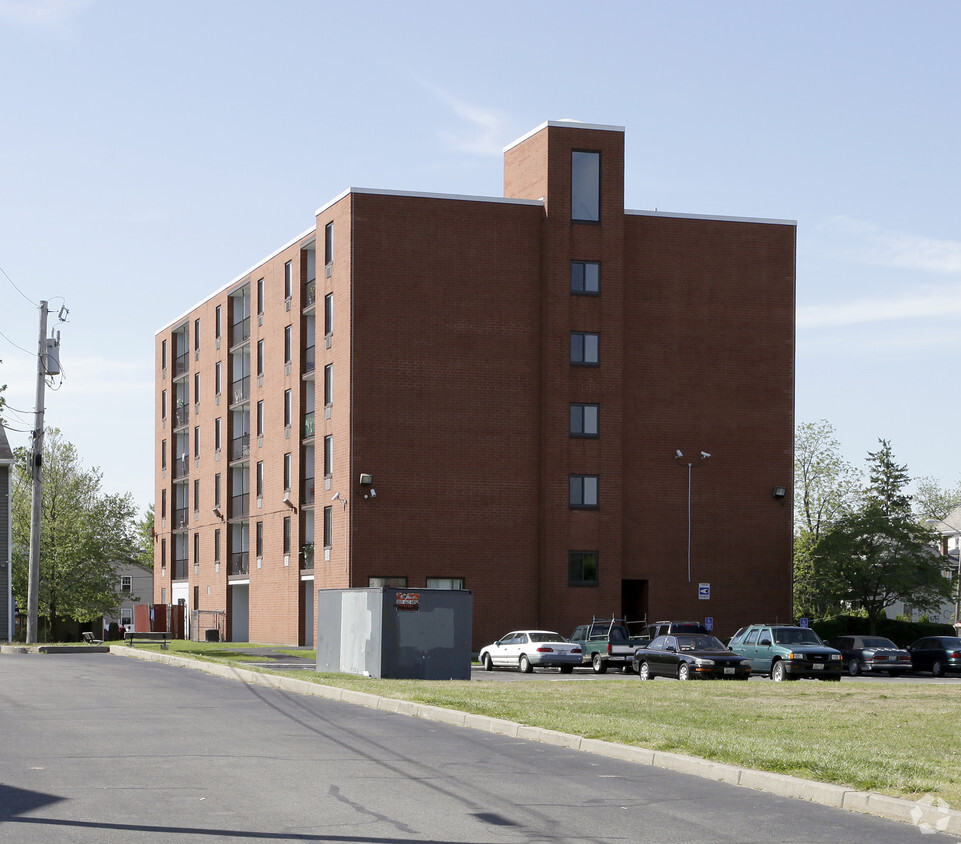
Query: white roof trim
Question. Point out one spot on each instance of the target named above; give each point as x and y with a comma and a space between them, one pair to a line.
239, 278
422, 195
712, 217
567, 124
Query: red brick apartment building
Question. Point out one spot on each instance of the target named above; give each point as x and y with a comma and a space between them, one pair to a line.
488, 393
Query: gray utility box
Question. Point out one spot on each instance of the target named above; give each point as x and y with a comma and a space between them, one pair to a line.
399, 634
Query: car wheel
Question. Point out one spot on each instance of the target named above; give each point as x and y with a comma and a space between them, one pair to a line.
684, 671
644, 672
488, 662
853, 667
778, 674
525, 665
567, 669
598, 664
937, 668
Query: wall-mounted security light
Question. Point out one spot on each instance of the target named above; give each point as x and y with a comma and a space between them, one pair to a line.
780, 491
366, 479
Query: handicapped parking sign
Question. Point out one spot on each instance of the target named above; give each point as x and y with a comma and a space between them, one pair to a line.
704, 591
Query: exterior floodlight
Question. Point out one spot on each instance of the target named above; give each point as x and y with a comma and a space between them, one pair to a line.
678, 454
335, 496
704, 455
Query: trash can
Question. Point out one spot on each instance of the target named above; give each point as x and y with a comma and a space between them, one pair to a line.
213, 635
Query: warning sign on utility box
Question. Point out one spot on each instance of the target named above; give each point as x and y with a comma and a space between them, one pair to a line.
407, 601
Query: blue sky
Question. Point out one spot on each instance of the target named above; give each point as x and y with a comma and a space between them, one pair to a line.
152, 151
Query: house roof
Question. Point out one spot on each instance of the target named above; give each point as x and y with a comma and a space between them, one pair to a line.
950, 524
6, 454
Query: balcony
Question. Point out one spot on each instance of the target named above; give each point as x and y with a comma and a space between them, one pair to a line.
181, 415
307, 496
240, 506
181, 518
180, 568
240, 390
308, 425
310, 294
310, 358
240, 332
181, 468
239, 564
307, 556
240, 448
181, 364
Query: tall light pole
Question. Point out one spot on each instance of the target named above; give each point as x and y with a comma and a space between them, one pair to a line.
679, 458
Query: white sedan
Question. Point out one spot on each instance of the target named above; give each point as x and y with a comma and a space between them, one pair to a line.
524, 649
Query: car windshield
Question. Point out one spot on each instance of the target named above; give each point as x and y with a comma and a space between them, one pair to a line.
699, 643
878, 642
795, 636
544, 636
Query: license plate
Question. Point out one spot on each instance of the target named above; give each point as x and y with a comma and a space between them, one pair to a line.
817, 666
728, 670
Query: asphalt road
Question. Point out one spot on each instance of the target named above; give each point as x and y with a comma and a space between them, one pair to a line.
100, 748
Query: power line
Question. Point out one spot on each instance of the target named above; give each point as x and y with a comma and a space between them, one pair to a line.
25, 296
4, 336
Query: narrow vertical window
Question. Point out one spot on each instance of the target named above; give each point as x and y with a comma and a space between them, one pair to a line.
163, 354
217, 320
163, 404
218, 378
163, 504
259, 542
286, 535
329, 243
288, 343
260, 296
288, 407
196, 335
260, 357
196, 495
328, 527
328, 456
217, 434
329, 384
217, 545
329, 314
163, 454
287, 468
197, 387
196, 549
196, 443
586, 186
288, 279
260, 418
260, 479
217, 490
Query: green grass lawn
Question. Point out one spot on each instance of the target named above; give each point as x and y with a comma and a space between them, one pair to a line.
899, 738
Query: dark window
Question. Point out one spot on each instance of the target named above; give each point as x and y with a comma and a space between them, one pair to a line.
196, 335
585, 348
328, 527
329, 243
287, 466
329, 384
217, 545
163, 354
583, 491
260, 357
585, 278
286, 534
217, 317
329, 314
260, 479
260, 418
586, 186
288, 279
288, 407
288, 343
217, 490
260, 295
163, 454
259, 539
125, 583
196, 495
394, 582
218, 371
585, 420
582, 568
328, 456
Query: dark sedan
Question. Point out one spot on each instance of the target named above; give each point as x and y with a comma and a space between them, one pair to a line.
936, 654
689, 657
872, 653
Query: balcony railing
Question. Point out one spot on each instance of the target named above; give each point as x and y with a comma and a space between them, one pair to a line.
240, 390
181, 364
240, 331
310, 358
307, 497
181, 468
310, 295
240, 447
181, 416
308, 424
180, 568
239, 563
181, 518
307, 556
239, 506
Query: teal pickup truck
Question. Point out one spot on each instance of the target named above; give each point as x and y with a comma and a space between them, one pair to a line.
606, 643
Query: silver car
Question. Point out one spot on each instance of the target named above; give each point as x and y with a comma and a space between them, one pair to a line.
525, 649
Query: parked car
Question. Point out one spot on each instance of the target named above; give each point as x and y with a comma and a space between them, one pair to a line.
787, 652
607, 643
527, 649
689, 656
936, 654
872, 653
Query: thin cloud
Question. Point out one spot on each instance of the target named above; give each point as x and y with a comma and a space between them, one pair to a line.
485, 129
42, 12
866, 243
932, 303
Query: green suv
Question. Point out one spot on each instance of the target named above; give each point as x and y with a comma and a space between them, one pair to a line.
786, 653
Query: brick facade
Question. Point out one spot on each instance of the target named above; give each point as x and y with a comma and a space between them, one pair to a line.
452, 385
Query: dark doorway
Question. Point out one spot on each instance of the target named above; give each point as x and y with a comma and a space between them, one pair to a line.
634, 600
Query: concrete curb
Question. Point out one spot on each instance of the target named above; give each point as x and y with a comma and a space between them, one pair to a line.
926, 814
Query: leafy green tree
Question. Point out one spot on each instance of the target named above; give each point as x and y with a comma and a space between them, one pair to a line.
145, 538
931, 501
872, 560
888, 482
85, 535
